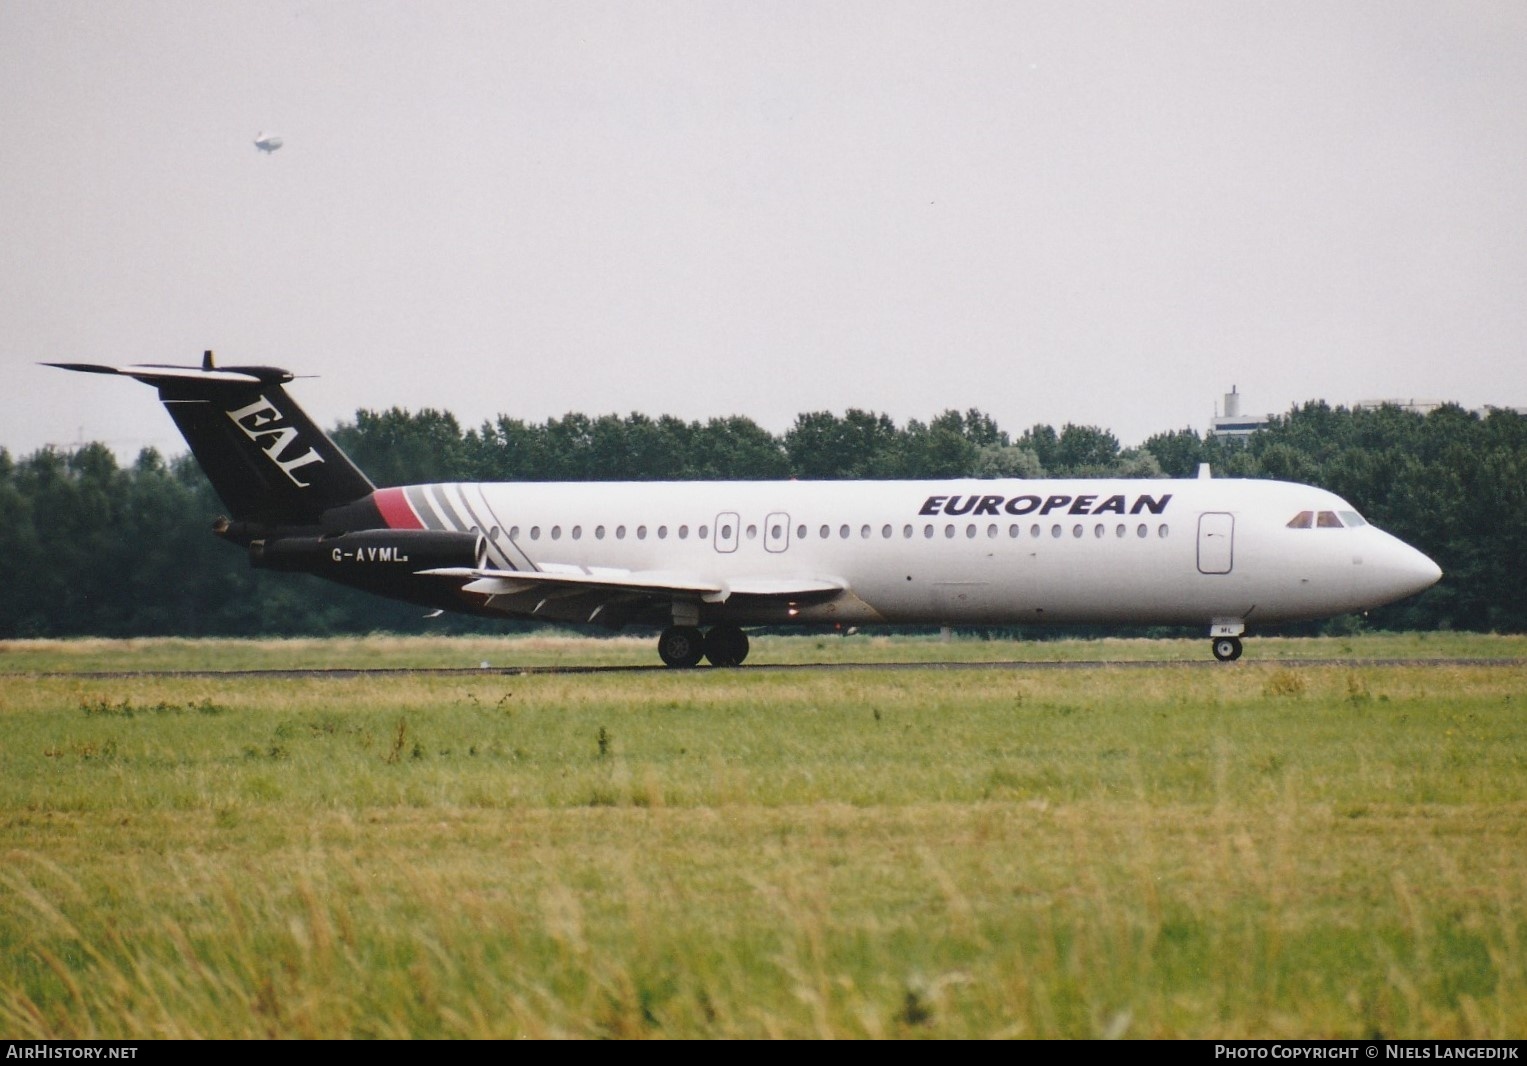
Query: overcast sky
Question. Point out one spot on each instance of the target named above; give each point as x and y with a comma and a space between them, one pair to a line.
1100, 213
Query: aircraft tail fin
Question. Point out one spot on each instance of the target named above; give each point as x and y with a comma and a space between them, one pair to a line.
266, 458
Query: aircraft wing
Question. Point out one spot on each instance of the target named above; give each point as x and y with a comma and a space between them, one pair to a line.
595, 594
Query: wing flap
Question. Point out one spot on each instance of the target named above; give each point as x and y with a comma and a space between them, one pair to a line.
639, 582
513, 582
786, 588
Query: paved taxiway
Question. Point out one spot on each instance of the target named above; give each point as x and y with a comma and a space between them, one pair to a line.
521, 671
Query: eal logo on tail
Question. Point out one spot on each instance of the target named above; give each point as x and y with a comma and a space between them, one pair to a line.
261, 422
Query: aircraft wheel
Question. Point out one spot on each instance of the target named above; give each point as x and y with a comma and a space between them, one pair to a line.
726, 646
681, 646
1226, 649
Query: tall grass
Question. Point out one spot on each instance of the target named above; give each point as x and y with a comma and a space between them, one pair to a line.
1263, 850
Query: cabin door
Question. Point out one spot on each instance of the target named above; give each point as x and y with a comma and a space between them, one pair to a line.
1216, 542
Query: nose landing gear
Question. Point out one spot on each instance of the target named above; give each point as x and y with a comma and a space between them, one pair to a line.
1225, 638
1226, 649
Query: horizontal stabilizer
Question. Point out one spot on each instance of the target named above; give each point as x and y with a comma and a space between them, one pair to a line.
155, 374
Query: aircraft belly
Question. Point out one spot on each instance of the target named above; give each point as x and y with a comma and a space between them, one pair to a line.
845, 608
975, 602
985, 589
1154, 588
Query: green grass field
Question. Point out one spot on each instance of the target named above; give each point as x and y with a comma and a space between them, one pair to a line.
1261, 849
561, 650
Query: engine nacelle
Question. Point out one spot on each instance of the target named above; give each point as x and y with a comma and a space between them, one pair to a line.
376, 551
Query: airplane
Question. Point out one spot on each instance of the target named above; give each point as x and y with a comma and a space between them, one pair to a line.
267, 142
701, 560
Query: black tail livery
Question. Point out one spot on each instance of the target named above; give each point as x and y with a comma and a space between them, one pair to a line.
267, 460
294, 499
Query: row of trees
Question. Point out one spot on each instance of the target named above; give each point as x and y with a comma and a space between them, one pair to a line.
90, 547
399, 447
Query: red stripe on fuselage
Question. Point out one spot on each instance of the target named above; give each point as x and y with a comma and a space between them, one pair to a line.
397, 512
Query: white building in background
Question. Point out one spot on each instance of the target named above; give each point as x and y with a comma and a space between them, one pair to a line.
1426, 407
1420, 407
1234, 424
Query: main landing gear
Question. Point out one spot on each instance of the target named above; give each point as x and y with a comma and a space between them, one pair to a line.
684, 646
1226, 649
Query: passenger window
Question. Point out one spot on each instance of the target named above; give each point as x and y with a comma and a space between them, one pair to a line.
577, 532
752, 532
641, 532
1013, 531
1140, 531
949, 531
494, 533
1055, 530
1302, 520
726, 532
1119, 532
1076, 530
864, 532
1097, 531
1034, 530
683, 532
556, 532
928, 531
662, 532
800, 532
703, 532
620, 532
514, 532
599, 532
885, 531
970, 531
906, 532
826, 532
1327, 520
1161, 532
843, 532
776, 531
991, 530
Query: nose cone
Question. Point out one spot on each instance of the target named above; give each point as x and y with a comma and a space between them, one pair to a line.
1401, 571
1428, 573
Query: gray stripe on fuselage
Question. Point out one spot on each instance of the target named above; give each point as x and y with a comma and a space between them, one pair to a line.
523, 562
423, 508
453, 520
496, 553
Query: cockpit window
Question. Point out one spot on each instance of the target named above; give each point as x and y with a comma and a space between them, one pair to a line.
1325, 520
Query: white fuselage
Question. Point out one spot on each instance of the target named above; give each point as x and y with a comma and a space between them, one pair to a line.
1201, 551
